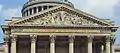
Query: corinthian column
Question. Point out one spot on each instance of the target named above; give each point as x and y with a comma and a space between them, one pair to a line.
52, 44
33, 43
90, 39
112, 44
13, 43
6, 44
102, 48
71, 44
107, 44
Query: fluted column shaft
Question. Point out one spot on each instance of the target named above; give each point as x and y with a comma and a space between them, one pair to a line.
52, 44
6, 44
90, 39
107, 44
113, 48
6, 47
99, 48
112, 44
33, 43
71, 44
13, 43
102, 48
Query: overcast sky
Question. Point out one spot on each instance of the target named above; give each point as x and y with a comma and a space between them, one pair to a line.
100, 8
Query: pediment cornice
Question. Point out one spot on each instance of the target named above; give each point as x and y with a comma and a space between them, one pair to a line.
80, 16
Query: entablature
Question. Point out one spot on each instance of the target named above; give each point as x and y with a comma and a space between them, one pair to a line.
60, 34
82, 30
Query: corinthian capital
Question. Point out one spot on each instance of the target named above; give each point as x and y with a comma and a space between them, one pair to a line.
113, 39
52, 38
13, 37
90, 38
71, 38
108, 38
33, 37
6, 38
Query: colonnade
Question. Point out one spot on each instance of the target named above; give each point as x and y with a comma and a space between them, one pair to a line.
109, 46
35, 10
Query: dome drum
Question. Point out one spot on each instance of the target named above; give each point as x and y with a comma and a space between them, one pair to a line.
35, 9
34, 6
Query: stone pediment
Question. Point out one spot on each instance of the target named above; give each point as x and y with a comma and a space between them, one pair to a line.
61, 16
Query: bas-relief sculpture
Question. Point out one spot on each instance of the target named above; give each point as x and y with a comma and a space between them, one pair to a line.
61, 18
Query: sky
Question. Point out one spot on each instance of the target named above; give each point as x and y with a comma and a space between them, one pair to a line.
107, 9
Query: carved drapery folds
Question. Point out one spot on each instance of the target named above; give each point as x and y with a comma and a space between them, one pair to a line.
61, 18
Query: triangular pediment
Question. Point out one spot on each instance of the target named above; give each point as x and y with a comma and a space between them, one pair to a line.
61, 16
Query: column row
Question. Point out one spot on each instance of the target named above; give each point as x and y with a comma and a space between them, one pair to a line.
35, 10
52, 44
